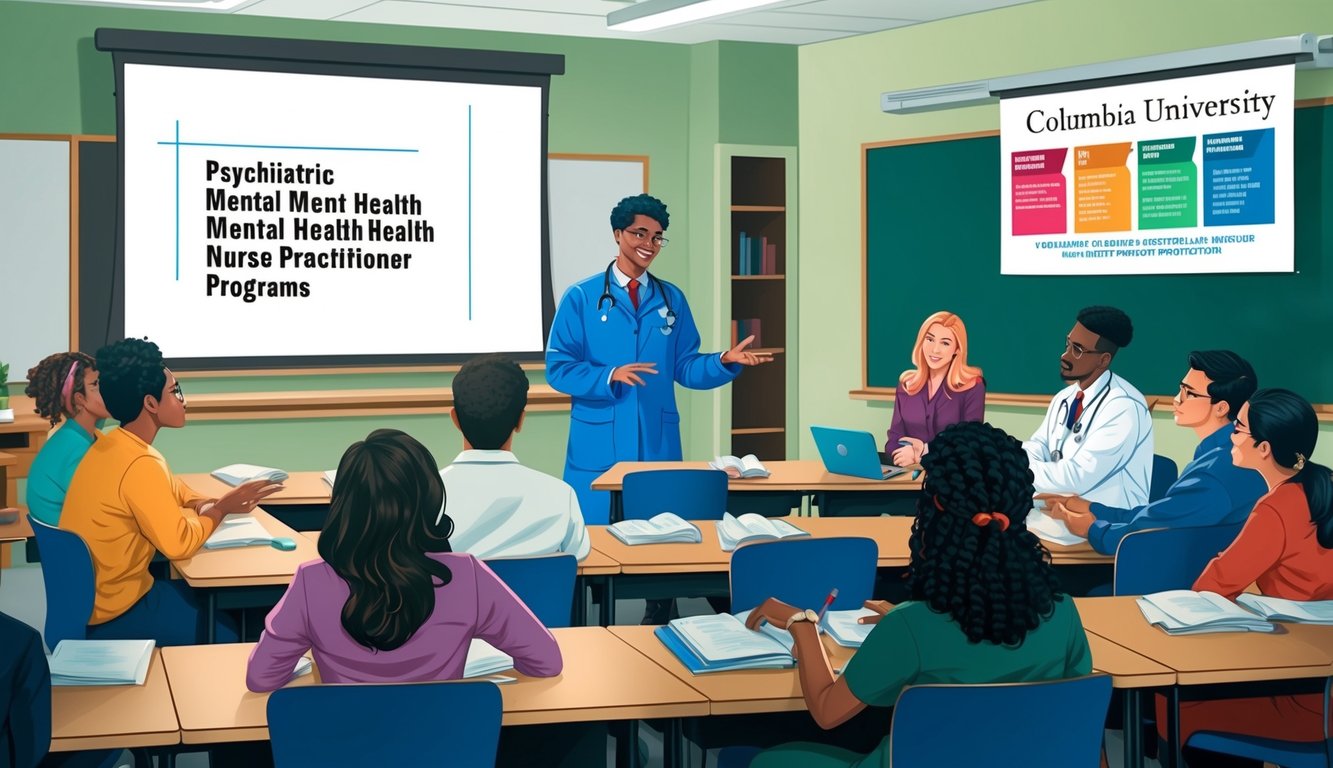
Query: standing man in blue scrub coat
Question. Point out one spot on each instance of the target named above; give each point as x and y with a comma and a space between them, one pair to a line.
620, 342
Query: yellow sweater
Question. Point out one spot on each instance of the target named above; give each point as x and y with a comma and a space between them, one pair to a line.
124, 502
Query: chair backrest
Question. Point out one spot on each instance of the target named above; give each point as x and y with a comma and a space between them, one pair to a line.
1164, 473
545, 584
694, 494
1006, 725
452, 723
67, 573
1168, 558
802, 572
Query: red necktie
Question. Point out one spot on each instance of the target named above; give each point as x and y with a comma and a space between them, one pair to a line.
634, 295
1078, 408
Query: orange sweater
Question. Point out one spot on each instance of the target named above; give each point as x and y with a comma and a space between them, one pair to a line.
124, 502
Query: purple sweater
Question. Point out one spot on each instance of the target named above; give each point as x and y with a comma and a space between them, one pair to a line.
924, 417
475, 603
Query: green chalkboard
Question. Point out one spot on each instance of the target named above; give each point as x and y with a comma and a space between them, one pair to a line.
933, 242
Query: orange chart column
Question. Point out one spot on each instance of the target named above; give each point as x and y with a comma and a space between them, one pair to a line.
1101, 188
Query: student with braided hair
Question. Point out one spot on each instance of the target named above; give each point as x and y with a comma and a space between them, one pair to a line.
969, 539
62, 386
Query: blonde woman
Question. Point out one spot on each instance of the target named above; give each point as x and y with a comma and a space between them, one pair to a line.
941, 390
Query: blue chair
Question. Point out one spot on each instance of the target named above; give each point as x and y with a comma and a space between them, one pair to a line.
1167, 558
997, 738
322, 725
802, 572
694, 494
67, 573
1164, 473
545, 584
1288, 754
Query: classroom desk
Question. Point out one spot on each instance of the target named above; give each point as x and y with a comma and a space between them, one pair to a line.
603, 679
803, 476
8, 462
115, 716
302, 504
246, 577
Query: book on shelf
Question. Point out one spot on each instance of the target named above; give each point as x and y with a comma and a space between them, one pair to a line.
742, 254
331, 474
236, 474
665, 528
1299, 611
770, 265
745, 466
741, 329
100, 662
734, 531
1186, 612
238, 531
720, 643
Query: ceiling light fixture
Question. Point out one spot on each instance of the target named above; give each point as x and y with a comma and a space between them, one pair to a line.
659, 14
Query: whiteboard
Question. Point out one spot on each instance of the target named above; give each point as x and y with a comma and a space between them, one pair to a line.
582, 193
34, 251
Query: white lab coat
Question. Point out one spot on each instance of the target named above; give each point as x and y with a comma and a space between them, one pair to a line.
1110, 459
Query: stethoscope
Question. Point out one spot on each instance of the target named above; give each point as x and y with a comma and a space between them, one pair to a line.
669, 316
1063, 413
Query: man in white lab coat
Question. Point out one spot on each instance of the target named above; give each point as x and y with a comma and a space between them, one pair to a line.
1096, 439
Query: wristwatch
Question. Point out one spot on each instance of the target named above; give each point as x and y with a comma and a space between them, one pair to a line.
806, 615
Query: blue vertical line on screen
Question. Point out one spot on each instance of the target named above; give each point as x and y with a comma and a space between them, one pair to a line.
469, 212
178, 201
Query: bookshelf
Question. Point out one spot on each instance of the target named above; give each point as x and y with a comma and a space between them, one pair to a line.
761, 234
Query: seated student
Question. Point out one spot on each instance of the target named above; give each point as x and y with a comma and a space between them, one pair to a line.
1211, 490
501, 508
125, 504
1096, 439
62, 386
390, 601
1286, 548
970, 539
941, 390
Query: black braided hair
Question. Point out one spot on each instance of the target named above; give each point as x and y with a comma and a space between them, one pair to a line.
46, 382
996, 583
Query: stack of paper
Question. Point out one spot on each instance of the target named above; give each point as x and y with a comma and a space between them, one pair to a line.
661, 529
735, 531
1302, 612
235, 474
485, 659
238, 531
100, 662
721, 643
1049, 529
1184, 612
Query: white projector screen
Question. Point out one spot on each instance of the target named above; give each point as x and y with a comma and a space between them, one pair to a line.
328, 216
1186, 175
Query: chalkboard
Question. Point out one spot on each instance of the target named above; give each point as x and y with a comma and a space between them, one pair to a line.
932, 227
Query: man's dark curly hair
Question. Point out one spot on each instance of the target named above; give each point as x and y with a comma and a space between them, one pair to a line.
997, 584
46, 383
622, 216
131, 369
490, 393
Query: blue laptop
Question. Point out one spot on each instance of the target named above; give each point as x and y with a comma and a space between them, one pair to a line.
852, 452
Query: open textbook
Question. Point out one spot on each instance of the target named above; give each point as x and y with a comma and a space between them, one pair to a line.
1300, 611
238, 531
722, 642
842, 626
1049, 529
660, 529
236, 474
330, 475
734, 531
101, 662
745, 466
1185, 612
485, 659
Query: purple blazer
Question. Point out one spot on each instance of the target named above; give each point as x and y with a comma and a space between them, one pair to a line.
475, 603
923, 417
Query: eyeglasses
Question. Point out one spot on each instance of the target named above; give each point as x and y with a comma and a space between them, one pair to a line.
1235, 428
1188, 394
1075, 351
642, 234
178, 392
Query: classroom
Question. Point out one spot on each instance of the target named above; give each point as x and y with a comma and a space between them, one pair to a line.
784, 175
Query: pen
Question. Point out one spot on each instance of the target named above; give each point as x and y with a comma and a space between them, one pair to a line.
916, 473
827, 602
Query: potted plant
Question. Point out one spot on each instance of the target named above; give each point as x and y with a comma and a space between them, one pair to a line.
6, 413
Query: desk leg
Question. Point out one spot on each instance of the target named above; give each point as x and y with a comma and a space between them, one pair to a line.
580, 616
607, 615
212, 615
617, 511
673, 744
1133, 715
1173, 757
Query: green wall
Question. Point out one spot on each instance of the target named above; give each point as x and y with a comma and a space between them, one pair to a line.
665, 101
840, 83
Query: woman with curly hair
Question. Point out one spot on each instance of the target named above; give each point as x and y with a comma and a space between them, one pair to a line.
62, 386
985, 607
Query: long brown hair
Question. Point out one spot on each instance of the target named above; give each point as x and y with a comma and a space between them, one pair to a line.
960, 377
382, 524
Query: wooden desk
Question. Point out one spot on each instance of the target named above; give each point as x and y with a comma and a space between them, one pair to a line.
298, 488
115, 716
603, 679
595, 564
19, 530
9, 497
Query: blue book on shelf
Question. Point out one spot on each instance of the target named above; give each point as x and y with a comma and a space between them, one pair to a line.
742, 251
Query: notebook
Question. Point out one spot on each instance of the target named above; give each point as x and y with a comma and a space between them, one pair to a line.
236, 474
101, 662
845, 629
720, 643
1185, 612
746, 466
734, 531
485, 659
660, 529
1299, 611
851, 452
238, 531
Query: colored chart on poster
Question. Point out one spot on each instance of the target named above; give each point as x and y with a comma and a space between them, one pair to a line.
1186, 175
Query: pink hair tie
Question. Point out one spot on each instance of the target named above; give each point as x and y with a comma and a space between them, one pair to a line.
67, 391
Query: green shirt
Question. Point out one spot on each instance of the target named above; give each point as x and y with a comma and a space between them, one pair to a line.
913, 645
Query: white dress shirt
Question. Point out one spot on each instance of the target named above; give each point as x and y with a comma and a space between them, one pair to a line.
501, 508
1109, 459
